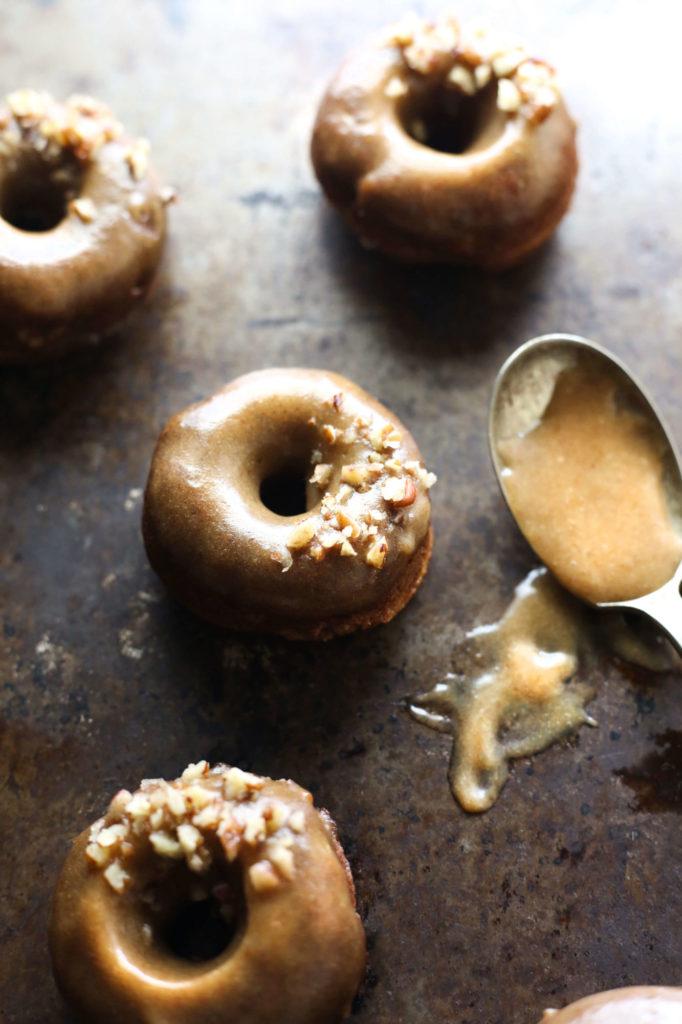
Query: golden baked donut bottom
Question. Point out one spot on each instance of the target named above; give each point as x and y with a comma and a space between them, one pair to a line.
489, 205
82, 225
298, 950
351, 558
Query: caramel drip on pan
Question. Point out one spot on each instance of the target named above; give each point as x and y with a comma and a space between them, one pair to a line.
518, 683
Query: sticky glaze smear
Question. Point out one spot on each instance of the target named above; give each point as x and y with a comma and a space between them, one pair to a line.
586, 486
518, 683
513, 693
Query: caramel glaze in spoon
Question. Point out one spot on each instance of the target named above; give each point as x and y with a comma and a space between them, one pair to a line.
591, 476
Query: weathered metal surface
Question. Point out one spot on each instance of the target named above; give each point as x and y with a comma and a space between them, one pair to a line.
572, 882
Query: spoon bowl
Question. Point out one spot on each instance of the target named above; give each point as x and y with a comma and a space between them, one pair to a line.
591, 475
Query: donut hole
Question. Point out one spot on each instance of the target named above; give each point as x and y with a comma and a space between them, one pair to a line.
443, 118
36, 195
199, 931
284, 492
196, 919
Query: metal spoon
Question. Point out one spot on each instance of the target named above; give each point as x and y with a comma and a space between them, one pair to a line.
523, 389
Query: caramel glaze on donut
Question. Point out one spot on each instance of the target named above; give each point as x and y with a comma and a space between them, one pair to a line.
274, 873
360, 542
646, 1004
82, 224
440, 144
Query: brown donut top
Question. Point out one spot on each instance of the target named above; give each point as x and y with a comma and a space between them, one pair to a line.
646, 1004
367, 500
486, 197
82, 221
257, 847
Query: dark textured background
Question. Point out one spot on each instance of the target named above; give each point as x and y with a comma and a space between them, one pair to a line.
572, 882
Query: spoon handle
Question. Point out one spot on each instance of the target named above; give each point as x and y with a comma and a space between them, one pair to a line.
663, 606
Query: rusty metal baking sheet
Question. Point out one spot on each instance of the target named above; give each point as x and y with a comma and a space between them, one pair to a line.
572, 882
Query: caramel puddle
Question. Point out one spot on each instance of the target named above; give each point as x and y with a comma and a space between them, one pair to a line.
518, 688
586, 486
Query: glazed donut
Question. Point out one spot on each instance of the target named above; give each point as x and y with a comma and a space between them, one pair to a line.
290, 502
441, 144
82, 224
646, 1004
132, 908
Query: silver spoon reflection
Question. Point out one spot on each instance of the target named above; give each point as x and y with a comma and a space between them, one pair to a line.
591, 476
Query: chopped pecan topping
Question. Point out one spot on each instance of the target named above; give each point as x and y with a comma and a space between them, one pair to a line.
175, 819
469, 60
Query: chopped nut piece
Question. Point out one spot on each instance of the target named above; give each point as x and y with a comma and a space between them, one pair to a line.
112, 835
321, 474
426, 479
139, 806
117, 878
297, 822
396, 87
347, 524
275, 816
197, 797
98, 854
376, 556
316, 552
207, 817
283, 860
331, 539
301, 534
263, 877
508, 96
330, 433
137, 158
361, 475
176, 802
194, 771
254, 829
165, 845
347, 549
506, 63
237, 784
84, 208
189, 838
119, 803
482, 75
462, 79
399, 491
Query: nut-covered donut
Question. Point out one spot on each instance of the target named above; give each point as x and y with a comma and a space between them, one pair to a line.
291, 502
645, 1004
82, 224
440, 143
221, 896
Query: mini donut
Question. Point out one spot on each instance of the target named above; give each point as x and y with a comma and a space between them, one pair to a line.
82, 224
289, 502
221, 896
442, 144
646, 1004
